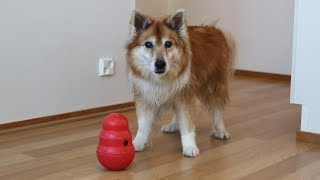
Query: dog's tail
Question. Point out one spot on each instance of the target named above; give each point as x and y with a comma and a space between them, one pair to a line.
206, 21
231, 42
232, 49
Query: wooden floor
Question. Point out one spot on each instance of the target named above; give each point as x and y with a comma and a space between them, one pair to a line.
263, 146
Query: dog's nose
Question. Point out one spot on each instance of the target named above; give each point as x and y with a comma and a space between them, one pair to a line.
160, 64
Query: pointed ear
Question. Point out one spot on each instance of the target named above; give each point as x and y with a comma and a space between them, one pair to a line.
139, 22
177, 21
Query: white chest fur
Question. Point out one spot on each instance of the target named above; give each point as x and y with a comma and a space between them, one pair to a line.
158, 92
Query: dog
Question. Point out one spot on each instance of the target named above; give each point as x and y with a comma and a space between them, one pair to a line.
172, 66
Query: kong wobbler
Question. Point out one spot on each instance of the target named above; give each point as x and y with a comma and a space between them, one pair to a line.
115, 150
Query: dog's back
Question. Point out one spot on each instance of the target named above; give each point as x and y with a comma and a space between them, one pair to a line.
213, 53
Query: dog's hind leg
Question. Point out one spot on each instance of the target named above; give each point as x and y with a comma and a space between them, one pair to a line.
171, 127
218, 127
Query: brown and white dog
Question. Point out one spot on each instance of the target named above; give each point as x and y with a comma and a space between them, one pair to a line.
172, 66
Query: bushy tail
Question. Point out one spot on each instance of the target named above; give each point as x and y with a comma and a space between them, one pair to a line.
232, 49
231, 58
232, 45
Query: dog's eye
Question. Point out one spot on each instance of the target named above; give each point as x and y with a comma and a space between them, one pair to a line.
168, 44
148, 44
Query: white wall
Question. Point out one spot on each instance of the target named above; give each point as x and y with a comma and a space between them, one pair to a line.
153, 7
305, 85
49, 54
263, 29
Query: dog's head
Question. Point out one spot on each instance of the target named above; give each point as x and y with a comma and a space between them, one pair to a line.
158, 48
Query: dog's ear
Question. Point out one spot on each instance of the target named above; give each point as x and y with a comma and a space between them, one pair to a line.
177, 21
139, 22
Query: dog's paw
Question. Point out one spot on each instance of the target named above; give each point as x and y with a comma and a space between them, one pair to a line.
138, 145
221, 134
169, 128
191, 151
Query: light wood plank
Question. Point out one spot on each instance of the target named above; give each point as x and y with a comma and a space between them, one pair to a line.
287, 166
13, 158
308, 172
260, 161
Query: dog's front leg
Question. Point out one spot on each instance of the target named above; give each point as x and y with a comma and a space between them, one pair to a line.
146, 116
187, 129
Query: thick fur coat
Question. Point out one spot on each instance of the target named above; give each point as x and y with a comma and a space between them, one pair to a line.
172, 66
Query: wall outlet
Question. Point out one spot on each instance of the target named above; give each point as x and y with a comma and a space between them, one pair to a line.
106, 66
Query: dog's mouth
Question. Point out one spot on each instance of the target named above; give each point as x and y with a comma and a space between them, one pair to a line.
159, 72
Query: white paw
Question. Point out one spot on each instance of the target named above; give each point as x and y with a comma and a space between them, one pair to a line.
221, 134
138, 145
191, 151
169, 128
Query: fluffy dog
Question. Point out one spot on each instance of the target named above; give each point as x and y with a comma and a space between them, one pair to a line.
172, 66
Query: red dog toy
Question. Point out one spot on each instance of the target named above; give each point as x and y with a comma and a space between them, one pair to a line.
115, 150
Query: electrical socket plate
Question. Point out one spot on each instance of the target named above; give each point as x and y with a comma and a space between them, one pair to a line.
106, 66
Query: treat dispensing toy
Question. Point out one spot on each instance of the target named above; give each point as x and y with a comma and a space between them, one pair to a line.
115, 150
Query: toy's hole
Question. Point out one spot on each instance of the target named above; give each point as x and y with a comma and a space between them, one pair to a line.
125, 143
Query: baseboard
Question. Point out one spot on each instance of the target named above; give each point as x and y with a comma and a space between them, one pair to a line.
274, 76
70, 115
308, 137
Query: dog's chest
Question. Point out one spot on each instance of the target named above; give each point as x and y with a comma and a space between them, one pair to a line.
156, 93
